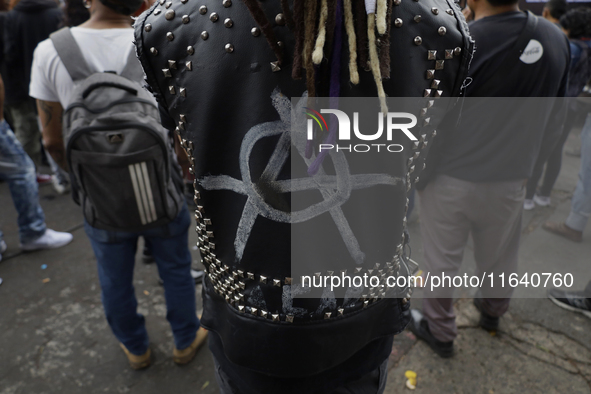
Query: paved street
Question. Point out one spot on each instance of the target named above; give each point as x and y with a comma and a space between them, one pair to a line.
54, 337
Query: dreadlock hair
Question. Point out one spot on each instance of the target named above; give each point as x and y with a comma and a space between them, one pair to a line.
361, 34
374, 62
385, 45
331, 23
309, 26
254, 6
314, 22
288, 16
299, 27
318, 54
381, 17
350, 27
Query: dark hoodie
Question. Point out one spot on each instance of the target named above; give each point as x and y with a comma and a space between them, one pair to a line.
29, 23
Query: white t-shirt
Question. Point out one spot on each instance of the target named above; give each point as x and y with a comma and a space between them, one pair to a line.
103, 50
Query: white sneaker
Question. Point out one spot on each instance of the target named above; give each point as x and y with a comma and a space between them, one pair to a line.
50, 240
528, 205
3, 248
60, 187
541, 200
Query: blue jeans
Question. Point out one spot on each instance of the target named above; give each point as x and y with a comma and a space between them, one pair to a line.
115, 253
581, 203
18, 170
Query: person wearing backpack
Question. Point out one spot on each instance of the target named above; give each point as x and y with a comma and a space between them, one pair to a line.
121, 166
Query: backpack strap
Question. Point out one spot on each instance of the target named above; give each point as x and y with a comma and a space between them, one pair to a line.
70, 54
512, 57
133, 69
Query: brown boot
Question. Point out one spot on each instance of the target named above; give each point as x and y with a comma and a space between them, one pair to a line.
185, 356
563, 230
137, 362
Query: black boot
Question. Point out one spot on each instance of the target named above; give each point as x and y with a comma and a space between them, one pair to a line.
488, 322
420, 327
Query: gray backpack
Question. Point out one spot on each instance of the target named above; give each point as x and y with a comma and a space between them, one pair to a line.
120, 157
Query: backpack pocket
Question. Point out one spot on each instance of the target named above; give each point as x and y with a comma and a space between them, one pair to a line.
124, 192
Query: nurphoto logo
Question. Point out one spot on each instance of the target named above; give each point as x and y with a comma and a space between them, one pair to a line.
394, 122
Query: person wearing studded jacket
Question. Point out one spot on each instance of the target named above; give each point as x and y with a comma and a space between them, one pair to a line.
224, 73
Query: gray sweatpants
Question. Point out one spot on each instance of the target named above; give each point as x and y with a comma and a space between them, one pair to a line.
451, 210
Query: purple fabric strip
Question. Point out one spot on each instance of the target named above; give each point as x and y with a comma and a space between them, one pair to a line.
335, 87
310, 144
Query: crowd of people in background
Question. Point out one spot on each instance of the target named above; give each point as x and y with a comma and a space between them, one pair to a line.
576, 24
22, 26
38, 86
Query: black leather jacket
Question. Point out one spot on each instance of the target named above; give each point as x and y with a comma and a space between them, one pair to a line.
216, 80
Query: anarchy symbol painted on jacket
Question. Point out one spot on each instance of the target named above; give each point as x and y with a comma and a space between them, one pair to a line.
335, 189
